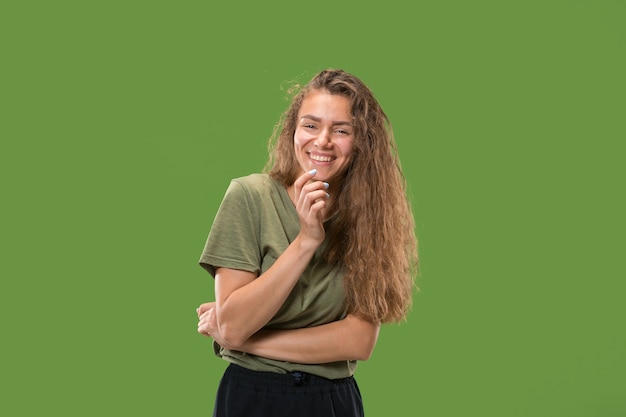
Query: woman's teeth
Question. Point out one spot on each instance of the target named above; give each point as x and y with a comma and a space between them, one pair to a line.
321, 158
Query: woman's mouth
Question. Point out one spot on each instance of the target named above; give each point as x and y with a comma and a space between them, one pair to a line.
321, 158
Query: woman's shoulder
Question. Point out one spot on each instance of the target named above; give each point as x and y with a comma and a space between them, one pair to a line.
254, 181
257, 184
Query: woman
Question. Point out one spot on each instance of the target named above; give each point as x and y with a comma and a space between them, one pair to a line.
310, 257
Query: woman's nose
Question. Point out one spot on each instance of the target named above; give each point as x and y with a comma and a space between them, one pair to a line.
323, 140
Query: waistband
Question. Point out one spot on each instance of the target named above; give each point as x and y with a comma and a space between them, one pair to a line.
289, 379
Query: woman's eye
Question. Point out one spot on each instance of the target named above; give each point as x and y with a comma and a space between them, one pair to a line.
309, 126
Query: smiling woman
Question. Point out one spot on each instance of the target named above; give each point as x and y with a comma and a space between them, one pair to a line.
310, 257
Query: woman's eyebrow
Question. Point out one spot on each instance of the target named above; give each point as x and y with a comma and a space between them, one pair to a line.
310, 116
317, 119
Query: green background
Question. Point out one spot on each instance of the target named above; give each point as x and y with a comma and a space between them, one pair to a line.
123, 122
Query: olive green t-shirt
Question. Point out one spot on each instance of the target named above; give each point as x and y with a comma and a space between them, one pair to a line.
255, 223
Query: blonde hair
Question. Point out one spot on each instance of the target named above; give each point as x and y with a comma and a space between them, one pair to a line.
372, 233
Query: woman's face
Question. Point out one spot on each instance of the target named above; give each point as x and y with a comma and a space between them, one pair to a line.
324, 134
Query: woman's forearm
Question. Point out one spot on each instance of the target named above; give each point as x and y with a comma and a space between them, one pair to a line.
352, 338
246, 303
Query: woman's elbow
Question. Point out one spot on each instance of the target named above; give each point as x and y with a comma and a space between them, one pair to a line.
367, 348
367, 338
232, 337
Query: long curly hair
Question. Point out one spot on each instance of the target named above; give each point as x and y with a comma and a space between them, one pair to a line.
372, 232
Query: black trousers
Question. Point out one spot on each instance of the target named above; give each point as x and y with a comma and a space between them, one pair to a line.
246, 393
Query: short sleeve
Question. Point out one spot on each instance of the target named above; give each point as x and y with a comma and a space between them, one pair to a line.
233, 240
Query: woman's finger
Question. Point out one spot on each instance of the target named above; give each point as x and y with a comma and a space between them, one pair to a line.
299, 184
204, 307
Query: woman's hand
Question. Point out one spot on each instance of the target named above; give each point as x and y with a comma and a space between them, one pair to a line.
207, 324
207, 319
310, 199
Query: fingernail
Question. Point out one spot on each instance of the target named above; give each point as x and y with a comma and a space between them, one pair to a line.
313, 171
327, 195
326, 185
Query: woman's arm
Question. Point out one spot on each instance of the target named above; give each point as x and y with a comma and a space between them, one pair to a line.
352, 338
245, 302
